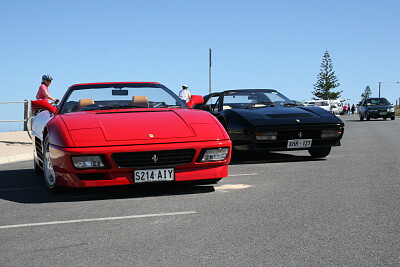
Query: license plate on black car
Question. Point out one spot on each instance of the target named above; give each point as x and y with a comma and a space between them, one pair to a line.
299, 143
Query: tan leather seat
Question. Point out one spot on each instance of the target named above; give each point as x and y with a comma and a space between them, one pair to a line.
85, 102
140, 101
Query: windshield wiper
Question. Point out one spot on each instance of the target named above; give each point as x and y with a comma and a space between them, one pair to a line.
260, 105
289, 105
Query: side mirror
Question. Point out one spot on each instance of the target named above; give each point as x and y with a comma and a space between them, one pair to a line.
43, 104
195, 99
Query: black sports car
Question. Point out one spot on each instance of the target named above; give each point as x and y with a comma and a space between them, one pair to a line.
264, 119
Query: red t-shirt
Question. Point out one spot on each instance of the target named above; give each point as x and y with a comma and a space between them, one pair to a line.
40, 94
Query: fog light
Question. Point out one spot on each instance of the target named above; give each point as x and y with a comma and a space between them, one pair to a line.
215, 154
331, 133
266, 135
87, 162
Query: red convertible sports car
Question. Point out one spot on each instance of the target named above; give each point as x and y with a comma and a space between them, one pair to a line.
104, 134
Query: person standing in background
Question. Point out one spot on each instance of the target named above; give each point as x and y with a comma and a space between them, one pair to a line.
43, 92
184, 94
353, 109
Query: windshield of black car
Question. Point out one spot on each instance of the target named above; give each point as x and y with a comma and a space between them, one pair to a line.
377, 102
119, 98
255, 99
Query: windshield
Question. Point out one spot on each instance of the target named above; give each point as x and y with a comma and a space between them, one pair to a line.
116, 96
377, 102
255, 99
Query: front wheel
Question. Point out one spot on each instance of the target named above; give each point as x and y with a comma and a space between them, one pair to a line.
48, 171
319, 152
367, 117
361, 117
392, 118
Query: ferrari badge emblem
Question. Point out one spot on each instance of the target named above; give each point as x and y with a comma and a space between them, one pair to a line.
151, 135
155, 158
300, 134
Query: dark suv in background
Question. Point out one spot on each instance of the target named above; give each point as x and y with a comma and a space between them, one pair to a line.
377, 107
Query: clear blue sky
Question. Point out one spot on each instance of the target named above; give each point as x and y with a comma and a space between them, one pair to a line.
256, 44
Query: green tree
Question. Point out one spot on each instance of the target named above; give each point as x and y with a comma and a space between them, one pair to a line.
326, 80
367, 93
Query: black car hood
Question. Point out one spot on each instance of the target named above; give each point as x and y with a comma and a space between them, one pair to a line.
286, 115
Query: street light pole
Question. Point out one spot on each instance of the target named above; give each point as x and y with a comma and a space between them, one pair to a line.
379, 92
209, 71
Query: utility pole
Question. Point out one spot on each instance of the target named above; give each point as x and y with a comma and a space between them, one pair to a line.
209, 72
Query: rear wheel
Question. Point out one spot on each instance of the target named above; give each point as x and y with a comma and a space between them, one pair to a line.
392, 118
319, 152
361, 117
384, 118
48, 171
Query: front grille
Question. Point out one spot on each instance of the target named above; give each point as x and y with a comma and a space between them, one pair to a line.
153, 158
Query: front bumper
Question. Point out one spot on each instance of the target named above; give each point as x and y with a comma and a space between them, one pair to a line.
247, 139
112, 174
380, 114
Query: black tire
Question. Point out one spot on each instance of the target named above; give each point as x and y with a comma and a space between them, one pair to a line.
48, 172
392, 118
384, 118
37, 169
367, 117
319, 152
361, 117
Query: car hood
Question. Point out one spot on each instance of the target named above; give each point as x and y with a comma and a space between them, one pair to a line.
141, 127
287, 115
380, 107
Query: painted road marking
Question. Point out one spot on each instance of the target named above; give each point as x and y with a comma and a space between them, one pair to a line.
243, 174
231, 186
21, 188
99, 219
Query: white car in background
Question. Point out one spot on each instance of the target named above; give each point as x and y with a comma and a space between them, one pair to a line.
325, 104
334, 106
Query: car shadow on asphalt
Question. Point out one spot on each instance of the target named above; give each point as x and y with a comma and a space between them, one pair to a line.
257, 157
24, 186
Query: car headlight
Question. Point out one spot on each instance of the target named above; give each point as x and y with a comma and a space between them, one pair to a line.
331, 133
88, 162
390, 110
215, 154
266, 135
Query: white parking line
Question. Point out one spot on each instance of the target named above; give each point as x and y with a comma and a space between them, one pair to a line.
21, 188
99, 219
243, 174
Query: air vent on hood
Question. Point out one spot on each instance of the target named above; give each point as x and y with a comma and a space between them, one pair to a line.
293, 115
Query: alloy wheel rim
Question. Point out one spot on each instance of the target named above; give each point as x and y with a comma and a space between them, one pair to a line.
48, 167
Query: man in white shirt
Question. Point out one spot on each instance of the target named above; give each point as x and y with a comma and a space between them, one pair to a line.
184, 94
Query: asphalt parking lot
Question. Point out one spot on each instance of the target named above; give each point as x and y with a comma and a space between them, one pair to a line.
274, 209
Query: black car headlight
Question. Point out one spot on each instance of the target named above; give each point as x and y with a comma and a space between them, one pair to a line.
88, 162
214, 154
331, 133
